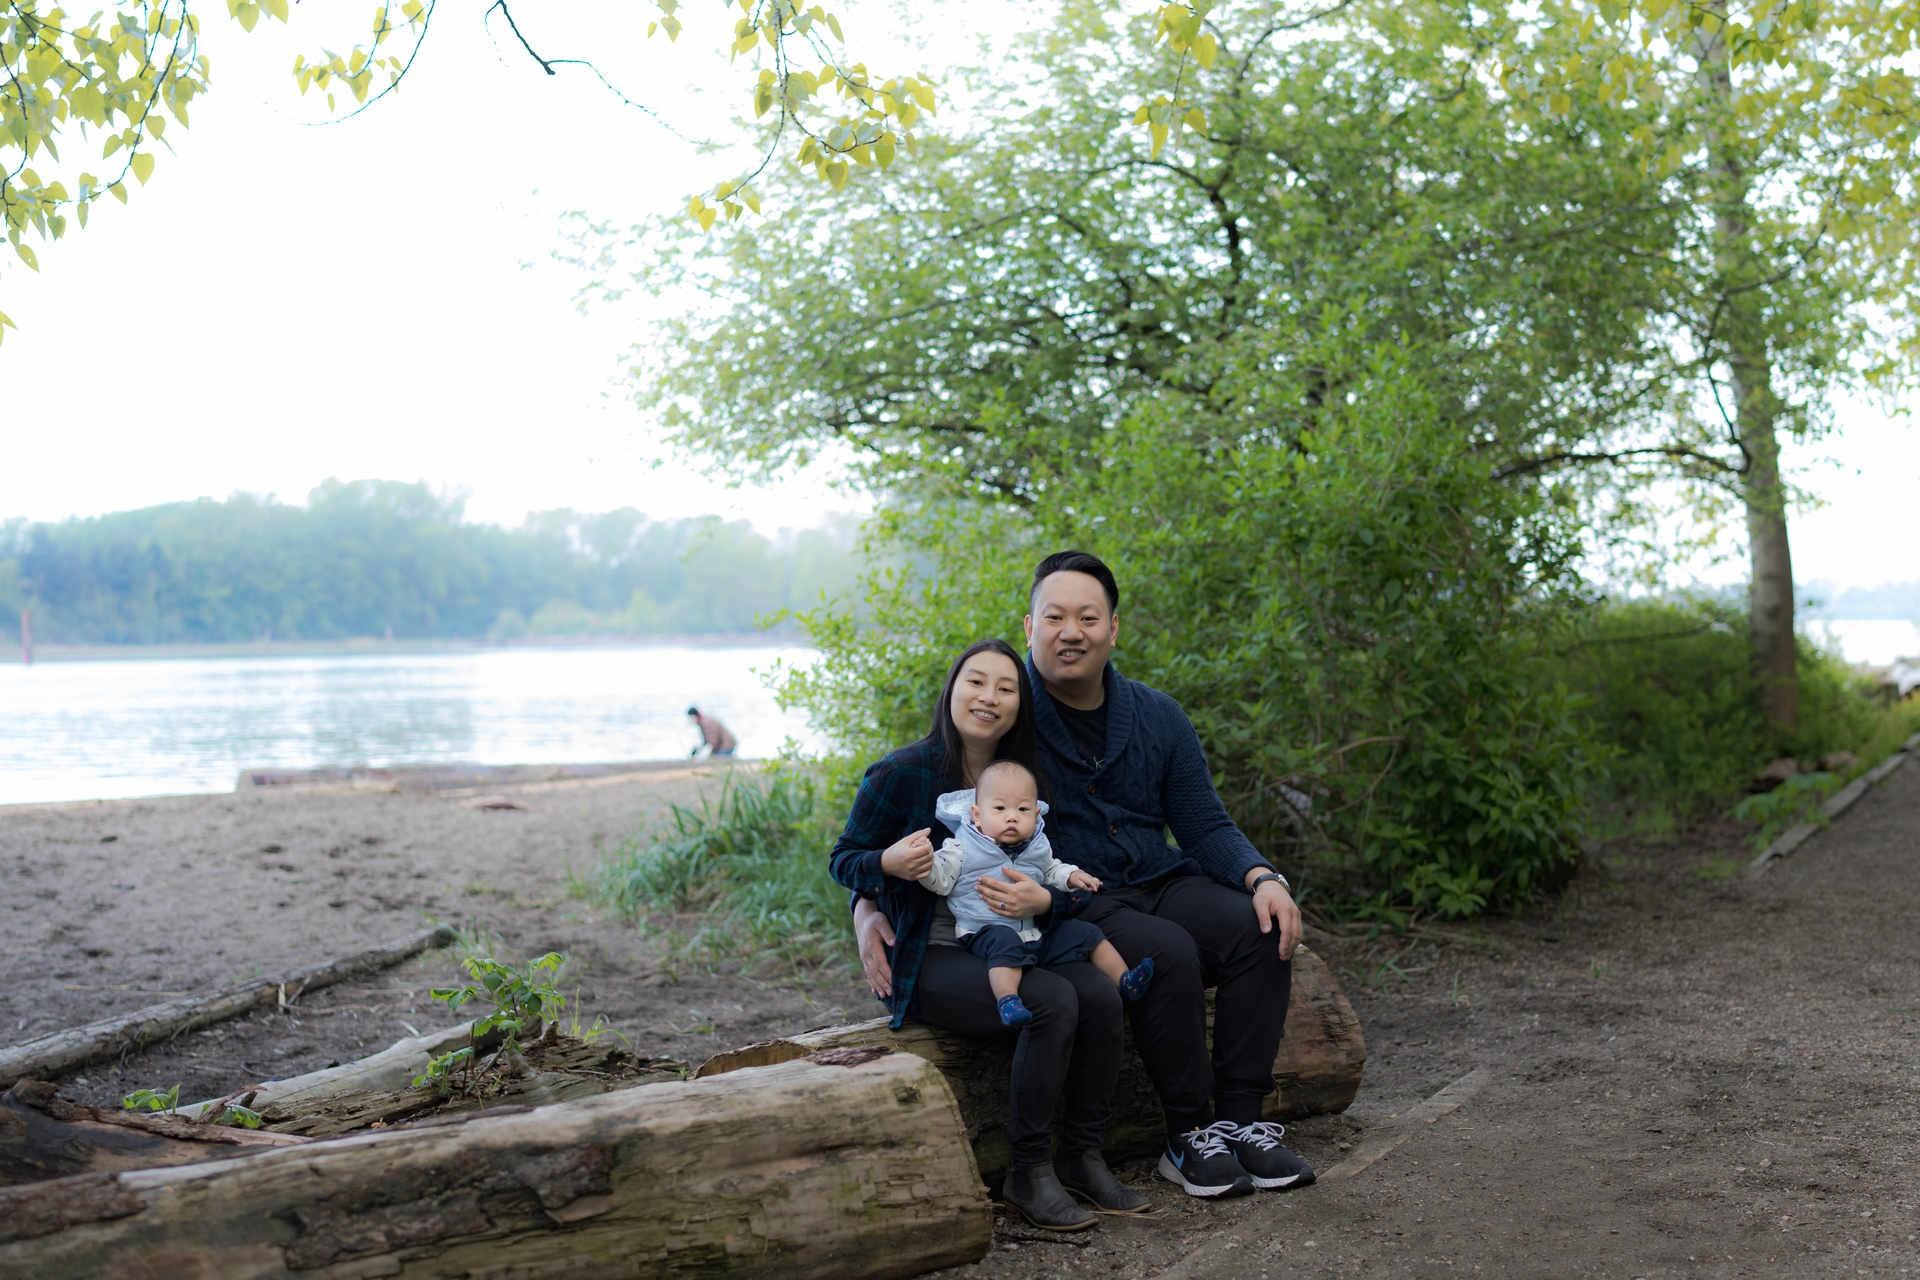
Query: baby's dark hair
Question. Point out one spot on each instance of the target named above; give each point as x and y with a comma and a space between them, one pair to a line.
1003, 769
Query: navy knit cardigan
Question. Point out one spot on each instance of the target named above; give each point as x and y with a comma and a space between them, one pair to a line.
1111, 817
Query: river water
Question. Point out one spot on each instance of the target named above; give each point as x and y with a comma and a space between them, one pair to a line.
105, 728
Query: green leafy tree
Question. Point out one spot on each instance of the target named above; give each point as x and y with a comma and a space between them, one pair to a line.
1291, 367
1786, 130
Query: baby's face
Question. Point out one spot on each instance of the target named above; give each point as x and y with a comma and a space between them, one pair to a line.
1006, 812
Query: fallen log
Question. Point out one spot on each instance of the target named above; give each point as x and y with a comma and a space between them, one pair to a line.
390, 1070
63, 1050
1317, 1070
845, 1164
551, 1069
43, 1136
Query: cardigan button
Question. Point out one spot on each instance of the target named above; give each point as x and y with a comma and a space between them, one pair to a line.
1090, 789
1112, 829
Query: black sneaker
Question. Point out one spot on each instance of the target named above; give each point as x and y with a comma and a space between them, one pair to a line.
1257, 1147
1200, 1161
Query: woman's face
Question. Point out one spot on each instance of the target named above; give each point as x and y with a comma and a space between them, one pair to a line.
986, 698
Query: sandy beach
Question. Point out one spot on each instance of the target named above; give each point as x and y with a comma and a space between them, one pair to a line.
1683, 1071
115, 905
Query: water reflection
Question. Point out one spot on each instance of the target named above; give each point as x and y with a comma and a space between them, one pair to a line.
79, 730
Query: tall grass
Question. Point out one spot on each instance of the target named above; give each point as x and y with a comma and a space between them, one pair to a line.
752, 861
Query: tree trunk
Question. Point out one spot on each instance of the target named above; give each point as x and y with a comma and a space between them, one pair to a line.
848, 1164
1740, 328
1317, 1069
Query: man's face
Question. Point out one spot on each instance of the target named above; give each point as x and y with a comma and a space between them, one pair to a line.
1071, 630
1006, 812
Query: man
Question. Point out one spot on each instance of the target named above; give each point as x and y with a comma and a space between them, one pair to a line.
715, 738
1126, 768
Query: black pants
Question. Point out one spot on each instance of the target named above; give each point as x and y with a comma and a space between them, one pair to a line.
1200, 934
1071, 1049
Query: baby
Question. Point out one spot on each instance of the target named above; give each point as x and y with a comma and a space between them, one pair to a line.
999, 825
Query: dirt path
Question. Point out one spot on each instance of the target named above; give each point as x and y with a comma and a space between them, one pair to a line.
1686, 1073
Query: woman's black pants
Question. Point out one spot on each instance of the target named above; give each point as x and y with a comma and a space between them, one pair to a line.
1071, 1050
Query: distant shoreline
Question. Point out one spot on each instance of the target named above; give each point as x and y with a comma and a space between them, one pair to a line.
373, 645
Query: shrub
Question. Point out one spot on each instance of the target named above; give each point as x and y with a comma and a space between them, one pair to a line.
1359, 613
1670, 701
753, 861
1671, 704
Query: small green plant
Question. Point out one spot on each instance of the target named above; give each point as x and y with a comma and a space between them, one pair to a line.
1794, 801
523, 1000
152, 1100
236, 1116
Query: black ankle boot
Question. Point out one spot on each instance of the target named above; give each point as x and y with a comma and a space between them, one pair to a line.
1041, 1200
1086, 1172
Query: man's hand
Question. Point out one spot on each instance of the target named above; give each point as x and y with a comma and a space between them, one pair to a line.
1016, 895
874, 935
1273, 907
909, 857
1081, 880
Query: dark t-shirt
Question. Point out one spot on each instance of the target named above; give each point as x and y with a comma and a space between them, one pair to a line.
1088, 729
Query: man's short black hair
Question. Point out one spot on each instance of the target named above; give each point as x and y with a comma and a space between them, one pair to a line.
1076, 562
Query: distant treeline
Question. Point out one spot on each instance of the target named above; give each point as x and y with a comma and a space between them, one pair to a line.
380, 558
1899, 600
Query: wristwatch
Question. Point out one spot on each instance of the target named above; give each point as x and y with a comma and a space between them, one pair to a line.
1265, 878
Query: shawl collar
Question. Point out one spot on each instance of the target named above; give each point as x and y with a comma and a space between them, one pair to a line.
1053, 731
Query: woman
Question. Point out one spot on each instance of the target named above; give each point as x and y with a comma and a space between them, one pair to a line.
1072, 1046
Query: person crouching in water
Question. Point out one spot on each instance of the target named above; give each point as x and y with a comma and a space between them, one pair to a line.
1000, 824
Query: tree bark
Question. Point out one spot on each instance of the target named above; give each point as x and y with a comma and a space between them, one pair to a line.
1317, 1070
1755, 411
551, 1069
43, 1137
63, 1050
840, 1165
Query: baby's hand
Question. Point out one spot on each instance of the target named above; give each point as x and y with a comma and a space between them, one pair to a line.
1081, 880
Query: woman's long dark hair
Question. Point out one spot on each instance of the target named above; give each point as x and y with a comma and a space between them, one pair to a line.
1015, 744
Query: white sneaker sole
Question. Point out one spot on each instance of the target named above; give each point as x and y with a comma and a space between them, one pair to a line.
1276, 1184
1171, 1172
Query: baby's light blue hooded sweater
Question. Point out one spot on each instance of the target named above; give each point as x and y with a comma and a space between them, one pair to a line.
970, 854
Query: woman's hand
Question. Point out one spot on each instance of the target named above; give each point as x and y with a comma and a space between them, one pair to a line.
1017, 895
909, 857
874, 935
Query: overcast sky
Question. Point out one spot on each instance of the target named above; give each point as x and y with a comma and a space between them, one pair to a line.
285, 302
288, 301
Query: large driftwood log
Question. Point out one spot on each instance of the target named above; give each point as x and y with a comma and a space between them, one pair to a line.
51, 1054
844, 1164
1317, 1070
42, 1136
